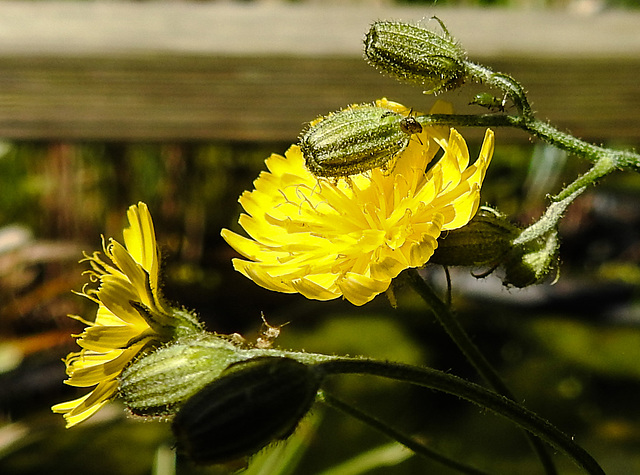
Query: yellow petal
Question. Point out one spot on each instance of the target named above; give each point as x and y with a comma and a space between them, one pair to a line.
314, 291
359, 289
81, 409
118, 332
140, 237
329, 238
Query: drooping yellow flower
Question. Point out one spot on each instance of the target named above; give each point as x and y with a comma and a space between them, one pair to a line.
326, 238
131, 315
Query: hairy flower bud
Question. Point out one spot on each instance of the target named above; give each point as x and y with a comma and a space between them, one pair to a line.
535, 252
491, 240
356, 139
157, 384
252, 404
484, 241
416, 54
529, 263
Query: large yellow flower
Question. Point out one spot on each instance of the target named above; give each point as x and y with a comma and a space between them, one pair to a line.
326, 238
131, 315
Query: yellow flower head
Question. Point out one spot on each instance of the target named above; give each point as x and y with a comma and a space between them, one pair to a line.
326, 238
131, 314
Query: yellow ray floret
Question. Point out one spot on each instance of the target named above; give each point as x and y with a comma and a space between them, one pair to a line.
327, 238
131, 314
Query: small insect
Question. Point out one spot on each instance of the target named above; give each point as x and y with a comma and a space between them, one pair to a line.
410, 125
484, 99
268, 334
356, 140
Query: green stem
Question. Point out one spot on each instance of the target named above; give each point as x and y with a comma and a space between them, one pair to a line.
474, 393
548, 222
460, 337
451, 325
396, 435
543, 130
605, 165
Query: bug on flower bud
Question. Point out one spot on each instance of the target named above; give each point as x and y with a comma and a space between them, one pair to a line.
356, 139
484, 99
252, 404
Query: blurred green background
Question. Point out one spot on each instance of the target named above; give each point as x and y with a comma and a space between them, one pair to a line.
570, 351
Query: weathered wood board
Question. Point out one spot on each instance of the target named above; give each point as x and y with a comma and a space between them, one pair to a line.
258, 72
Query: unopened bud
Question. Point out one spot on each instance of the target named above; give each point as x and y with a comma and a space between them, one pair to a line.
535, 252
485, 240
355, 140
530, 263
252, 404
157, 384
416, 54
490, 239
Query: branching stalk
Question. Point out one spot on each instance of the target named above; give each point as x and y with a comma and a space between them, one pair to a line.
460, 337
409, 442
474, 393
543, 130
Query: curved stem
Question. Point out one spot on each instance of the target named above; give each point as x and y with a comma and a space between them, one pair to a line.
504, 82
474, 393
600, 169
466, 120
451, 325
548, 222
460, 337
409, 442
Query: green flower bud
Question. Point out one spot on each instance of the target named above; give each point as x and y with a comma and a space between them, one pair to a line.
355, 140
159, 383
491, 240
535, 252
253, 404
416, 54
169, 322
485, 240
530, 262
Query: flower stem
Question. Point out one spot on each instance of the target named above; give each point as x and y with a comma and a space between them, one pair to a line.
543, 130
605, 165
456, 332
440, 381
407, 441
460, 337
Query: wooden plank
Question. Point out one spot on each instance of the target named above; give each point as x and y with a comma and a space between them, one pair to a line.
312, 28
181, 71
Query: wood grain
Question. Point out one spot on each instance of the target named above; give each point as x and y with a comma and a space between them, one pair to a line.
257, 72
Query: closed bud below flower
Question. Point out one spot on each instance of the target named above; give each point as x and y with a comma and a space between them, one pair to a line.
413, 53
158, 383
490, 239
355, 140
529, 263
253, 404
535, 250
485, 240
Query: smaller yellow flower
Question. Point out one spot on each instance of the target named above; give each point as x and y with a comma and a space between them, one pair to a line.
326, 238
131, 315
